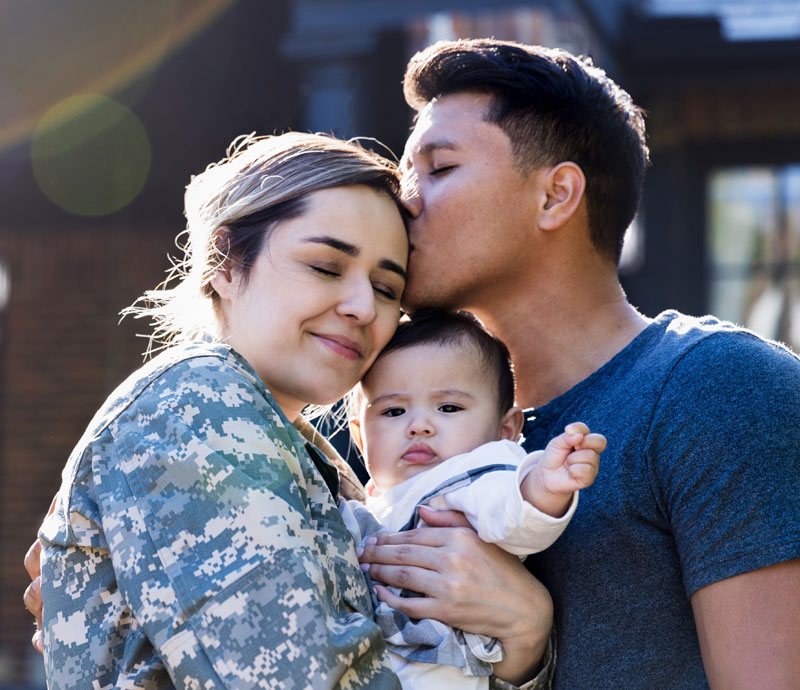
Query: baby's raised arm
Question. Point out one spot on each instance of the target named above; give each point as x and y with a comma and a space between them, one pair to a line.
569, 462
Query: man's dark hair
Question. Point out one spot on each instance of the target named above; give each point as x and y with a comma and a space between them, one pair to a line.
554, 107
439, 327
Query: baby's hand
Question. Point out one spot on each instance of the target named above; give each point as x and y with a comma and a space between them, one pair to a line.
569, 462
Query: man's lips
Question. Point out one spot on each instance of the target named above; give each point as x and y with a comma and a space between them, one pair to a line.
342, 345
419, 454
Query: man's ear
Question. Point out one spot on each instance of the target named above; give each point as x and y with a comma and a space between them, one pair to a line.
223, 278
511, 424
564, 187
354, 424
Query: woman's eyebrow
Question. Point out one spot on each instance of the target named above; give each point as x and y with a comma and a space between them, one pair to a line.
352, 250
339, 245
394, 267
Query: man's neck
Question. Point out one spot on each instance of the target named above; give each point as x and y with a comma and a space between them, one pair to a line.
559, 336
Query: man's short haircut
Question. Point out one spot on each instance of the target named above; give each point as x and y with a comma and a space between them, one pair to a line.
554, 107
461, 329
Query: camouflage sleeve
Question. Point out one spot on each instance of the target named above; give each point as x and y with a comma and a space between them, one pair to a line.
91, 639
226, 547
543, 679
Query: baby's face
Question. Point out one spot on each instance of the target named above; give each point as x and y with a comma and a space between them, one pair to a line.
423, 405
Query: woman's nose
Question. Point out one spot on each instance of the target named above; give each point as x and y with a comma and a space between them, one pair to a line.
358, 302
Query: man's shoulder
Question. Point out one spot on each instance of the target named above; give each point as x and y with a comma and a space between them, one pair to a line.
675, 340
719, 374
710, 344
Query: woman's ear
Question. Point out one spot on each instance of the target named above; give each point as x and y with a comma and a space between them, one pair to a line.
564, 186
354, 425
222, 279
511, 425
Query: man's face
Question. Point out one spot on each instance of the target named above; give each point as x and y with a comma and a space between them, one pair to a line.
470, 206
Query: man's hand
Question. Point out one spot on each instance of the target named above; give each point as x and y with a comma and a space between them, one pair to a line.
33, 595
467, 584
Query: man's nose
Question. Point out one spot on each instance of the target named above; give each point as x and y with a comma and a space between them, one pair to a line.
413, 204
409, 194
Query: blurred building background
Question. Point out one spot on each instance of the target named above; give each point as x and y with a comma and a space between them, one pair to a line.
106, 109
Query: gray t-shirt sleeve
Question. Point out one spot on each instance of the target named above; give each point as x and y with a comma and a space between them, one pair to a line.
723, 457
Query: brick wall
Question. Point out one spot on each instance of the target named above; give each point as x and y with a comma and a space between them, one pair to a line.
61, 354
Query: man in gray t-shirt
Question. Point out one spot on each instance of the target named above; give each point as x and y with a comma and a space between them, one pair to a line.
682, 564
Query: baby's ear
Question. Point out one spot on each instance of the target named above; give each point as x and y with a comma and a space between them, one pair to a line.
354, 424
511, 424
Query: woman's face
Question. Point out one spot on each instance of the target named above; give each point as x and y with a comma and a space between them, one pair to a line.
321, 299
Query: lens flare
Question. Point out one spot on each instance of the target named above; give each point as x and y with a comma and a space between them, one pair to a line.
90, 155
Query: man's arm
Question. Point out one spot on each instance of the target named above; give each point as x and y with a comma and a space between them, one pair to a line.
32, 597
749, 627
468, 584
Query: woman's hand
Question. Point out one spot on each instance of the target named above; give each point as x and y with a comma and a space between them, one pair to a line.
33, 594
467, 584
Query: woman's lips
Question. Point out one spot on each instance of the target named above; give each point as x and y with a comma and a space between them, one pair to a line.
419, 454
350, 349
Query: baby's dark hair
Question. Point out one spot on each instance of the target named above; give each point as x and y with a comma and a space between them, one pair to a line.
439, 327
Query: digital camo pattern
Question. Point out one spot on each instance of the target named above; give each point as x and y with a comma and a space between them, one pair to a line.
195, 545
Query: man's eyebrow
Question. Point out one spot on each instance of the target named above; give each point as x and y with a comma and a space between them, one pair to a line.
352, 250
426, 150
437, 144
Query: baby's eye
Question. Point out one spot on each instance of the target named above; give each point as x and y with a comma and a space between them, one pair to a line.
393, 412
450, 407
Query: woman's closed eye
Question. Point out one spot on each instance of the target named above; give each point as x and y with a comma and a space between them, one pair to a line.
442, 170
386, 291
325, 270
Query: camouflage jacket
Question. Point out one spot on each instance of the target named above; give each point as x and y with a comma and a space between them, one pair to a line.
196, 543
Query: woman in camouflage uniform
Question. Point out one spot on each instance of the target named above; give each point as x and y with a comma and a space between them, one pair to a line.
195, 541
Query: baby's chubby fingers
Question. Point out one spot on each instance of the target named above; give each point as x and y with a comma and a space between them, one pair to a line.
576, 428
595, 442
583, 466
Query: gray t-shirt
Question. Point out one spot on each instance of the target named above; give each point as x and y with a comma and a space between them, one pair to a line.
700, 481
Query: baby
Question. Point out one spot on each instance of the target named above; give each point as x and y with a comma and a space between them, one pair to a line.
437, 426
